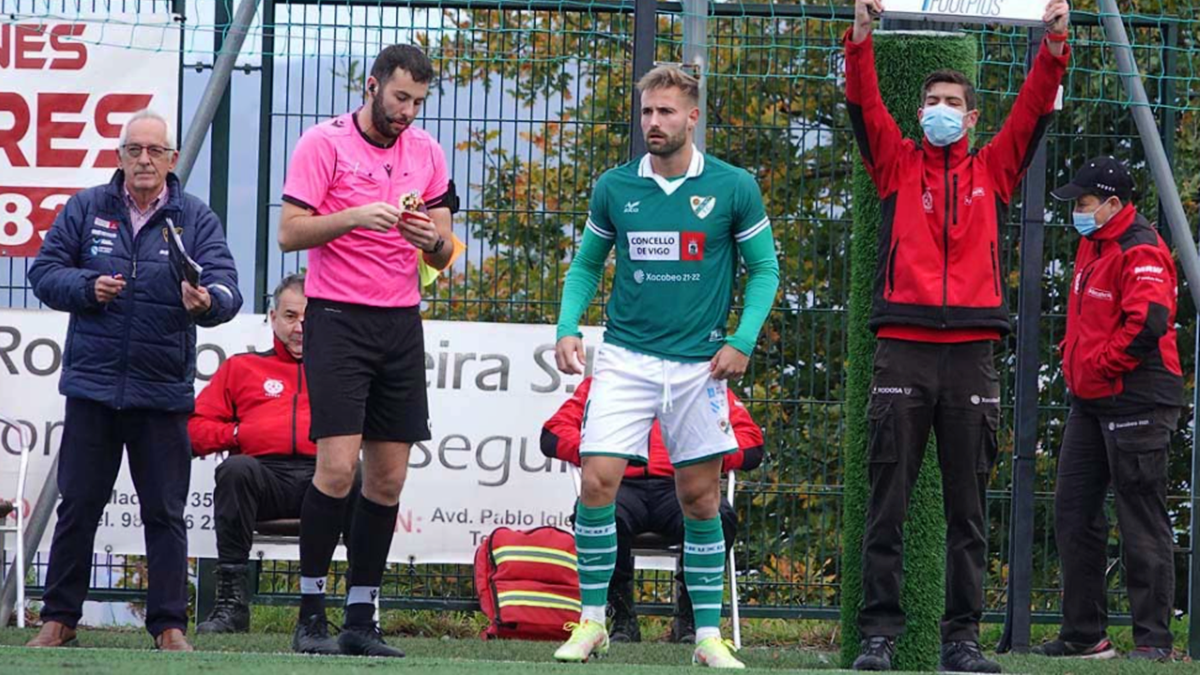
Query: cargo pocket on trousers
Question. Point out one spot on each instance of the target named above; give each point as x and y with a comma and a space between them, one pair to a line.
881, 432
989, 444
1141, 460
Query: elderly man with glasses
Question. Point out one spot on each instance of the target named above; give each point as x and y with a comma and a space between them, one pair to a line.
128, 367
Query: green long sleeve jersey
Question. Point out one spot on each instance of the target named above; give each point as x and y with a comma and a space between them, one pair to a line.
677, 242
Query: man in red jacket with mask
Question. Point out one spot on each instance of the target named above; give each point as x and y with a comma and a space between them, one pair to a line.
646, 502
1121, 364
938, 309
256, 408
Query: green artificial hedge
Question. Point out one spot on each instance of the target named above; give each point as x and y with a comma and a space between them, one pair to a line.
902, 60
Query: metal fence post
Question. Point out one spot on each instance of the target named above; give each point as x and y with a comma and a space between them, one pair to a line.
645, 27
1166, 98
218, 182
266, 101
695, 53
1025, 420
1193, 608
218, 84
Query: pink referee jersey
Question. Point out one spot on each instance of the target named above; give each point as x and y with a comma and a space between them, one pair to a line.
334, 168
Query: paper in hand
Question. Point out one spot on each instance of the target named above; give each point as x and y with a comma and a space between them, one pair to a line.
188, 269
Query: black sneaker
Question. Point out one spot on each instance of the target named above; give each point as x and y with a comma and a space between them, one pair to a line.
965, 657
683, 623
624, 617
1159, 654
366, 641
876, 654
1101, 650
312, 636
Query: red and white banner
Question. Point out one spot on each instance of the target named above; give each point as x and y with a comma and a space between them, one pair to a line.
66, 89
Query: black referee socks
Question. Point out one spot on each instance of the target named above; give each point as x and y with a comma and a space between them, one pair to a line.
371, 534
320, 529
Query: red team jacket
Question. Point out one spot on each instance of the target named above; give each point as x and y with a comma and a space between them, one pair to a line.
939, 272
264, 395
560, 438
1120, 351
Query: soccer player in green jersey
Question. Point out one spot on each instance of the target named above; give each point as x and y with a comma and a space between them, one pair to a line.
676, 217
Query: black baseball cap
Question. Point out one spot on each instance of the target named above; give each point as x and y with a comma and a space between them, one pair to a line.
1102, 176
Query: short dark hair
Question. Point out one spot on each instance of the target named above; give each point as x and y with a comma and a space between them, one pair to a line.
295, 281
406, 57
951, 77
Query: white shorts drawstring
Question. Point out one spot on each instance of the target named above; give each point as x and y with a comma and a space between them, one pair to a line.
667, 402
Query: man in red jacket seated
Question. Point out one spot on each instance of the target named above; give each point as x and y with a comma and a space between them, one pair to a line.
1121, 364
646, 502
939, 306
256, 408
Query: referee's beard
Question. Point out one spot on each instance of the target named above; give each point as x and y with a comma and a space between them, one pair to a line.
383, 122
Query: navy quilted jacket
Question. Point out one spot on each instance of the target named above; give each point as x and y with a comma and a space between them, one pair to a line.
138, 351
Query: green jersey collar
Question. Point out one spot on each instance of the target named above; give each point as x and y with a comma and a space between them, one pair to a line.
670, 186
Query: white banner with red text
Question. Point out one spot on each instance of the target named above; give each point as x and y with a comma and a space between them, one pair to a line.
491, 386
66, 89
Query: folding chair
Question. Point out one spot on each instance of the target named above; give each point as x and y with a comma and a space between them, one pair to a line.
650, 545
18, 564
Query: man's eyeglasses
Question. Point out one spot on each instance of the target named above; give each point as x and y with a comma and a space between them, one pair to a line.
156, 151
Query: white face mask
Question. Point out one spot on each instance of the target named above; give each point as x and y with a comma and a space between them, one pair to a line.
943, 125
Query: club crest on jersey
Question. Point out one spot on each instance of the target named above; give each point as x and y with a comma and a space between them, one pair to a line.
273, 388
702, 206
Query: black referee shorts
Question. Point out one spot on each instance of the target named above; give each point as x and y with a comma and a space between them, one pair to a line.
366, 372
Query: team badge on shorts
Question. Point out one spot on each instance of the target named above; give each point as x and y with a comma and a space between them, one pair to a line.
702, 206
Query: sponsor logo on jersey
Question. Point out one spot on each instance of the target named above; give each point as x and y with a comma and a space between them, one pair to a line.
639, 276
693, 245
702, 206
666, 246
1100, 294
654, 246
927, 201
632, 207
976, 399
106, 224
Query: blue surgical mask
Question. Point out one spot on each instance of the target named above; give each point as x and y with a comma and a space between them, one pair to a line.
943, 125
1085, 223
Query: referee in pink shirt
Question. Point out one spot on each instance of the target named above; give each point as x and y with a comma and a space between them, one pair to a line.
364, 350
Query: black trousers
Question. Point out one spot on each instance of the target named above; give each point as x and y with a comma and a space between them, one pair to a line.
650, 505
953, 390
160, 463
250, 489
1130, 453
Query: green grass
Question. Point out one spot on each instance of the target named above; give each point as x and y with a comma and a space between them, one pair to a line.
129, 653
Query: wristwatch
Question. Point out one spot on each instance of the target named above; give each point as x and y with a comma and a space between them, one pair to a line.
437, 247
